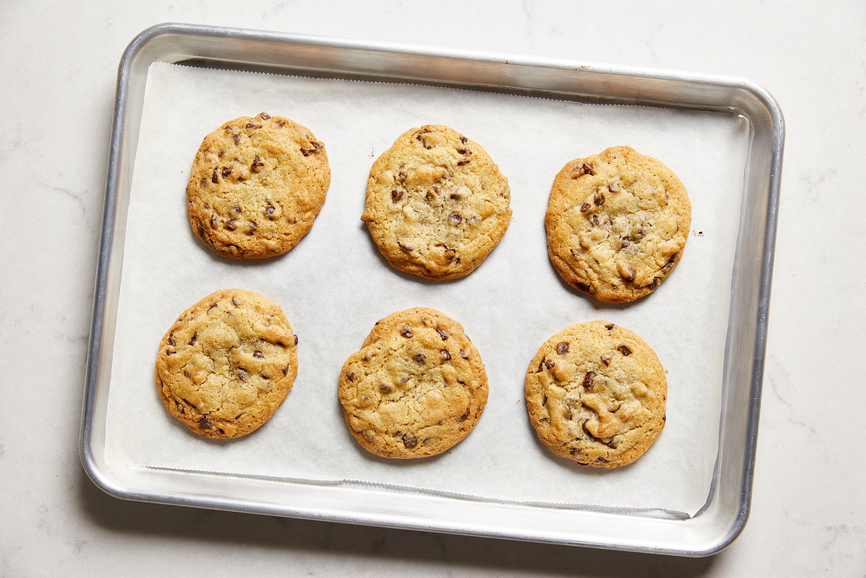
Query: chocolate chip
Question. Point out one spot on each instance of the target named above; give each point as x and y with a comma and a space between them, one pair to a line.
211, 307
264, 116
611, 444
463, 139
463, 162
235, 302
286, 370
609, 326
315, 147
242, 375
568, 414
296, 338
592, 437
465, 415
350, 375
404, 380
624, 349
205, 423
203, 183
179, 407
280, 123
231, 224
193, 340
599, 200
463, 354
549, 363
213, 221
386, 388
269, 211
595, 220
171, 339
410, 441
442, 334
631, 274
670, 262
252, 228
222, 154
406, 248
585, 207
406, 331
257, 165
237, 137
455, 218
420, 358
396, 195
605, 360
236, 209
215, 178
588, 380
614, 187
258, 355
562, 348
251, 125
445, 355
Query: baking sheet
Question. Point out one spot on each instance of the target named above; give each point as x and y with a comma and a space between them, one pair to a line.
334, 285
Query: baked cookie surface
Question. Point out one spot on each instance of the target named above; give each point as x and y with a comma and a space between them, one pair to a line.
416, 388
227, 363
256, 186
617, 223
436, 203
596, 393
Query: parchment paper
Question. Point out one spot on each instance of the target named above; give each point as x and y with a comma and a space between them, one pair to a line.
334, 286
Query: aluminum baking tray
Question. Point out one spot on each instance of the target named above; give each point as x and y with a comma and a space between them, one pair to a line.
707, 531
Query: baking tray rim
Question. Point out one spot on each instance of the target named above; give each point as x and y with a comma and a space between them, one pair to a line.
736, 95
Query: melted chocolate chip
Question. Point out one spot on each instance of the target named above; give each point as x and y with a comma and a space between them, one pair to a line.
205, 423
257, 165
410, 441
562, 348
588, 380
549, 363
315, 147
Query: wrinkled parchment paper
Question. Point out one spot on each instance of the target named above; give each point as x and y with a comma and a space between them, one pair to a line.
334, 286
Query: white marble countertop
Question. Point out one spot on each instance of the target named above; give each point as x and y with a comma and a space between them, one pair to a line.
58, 65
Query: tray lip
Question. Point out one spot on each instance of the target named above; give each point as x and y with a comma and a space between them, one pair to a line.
773, 122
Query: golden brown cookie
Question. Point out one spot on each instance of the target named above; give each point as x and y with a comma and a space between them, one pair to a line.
227, 363
596, 394
437, 204
617, 224
416, 388
256, 185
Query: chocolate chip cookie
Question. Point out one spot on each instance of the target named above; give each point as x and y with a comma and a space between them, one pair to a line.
227, 363
617, 223
256, 186
596, 394
416, 388
436, 204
